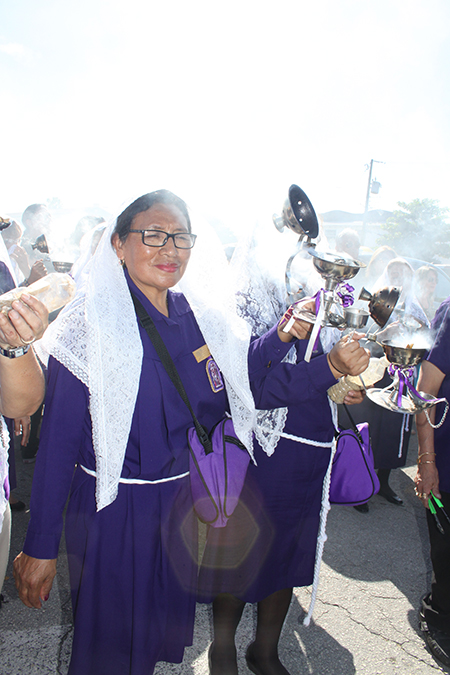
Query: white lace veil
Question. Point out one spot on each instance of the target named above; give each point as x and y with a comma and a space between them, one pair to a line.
258, 265
97, 338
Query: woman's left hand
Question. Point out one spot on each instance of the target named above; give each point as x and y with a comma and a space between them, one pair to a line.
426, 480
354, 396
24, 323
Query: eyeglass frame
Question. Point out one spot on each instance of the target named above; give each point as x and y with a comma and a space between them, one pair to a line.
168, 236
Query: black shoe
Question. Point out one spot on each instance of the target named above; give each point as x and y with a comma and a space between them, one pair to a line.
390, 496
362, 508
437, 641
253, 666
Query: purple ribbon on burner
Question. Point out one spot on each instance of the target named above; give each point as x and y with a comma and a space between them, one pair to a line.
344, 293
405, 376
317, 299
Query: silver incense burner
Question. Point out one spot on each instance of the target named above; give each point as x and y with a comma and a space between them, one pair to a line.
401, 396
41, 245
299, 216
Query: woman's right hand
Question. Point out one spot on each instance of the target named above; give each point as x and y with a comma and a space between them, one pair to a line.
301, 330
34, 579
24, 323
347, 356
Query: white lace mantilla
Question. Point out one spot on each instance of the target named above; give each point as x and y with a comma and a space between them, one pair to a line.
96, 337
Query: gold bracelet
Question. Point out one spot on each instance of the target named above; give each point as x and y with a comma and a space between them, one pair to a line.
429, 462
427, 453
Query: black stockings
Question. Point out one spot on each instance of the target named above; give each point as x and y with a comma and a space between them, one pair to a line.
227, 612
262, 654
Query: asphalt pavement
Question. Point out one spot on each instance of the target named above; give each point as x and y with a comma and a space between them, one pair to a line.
375, 570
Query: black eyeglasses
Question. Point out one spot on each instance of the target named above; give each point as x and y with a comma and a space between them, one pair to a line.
158, 238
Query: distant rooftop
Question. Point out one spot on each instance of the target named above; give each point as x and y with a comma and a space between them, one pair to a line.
376, 216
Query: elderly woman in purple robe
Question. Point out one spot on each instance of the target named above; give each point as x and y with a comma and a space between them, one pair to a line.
114, 439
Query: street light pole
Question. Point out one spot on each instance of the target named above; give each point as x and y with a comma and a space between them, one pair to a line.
366, 207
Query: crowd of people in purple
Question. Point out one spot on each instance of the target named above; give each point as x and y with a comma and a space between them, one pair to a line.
112, 440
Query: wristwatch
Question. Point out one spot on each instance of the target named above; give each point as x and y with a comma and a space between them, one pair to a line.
15, 352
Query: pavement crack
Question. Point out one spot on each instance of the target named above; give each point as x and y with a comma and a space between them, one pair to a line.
66, 636
402, 644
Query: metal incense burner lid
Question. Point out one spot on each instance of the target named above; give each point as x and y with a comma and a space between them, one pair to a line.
381, 303
298, 214
40, 244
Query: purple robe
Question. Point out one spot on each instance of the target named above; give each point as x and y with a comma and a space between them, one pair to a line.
133, 565
269, 542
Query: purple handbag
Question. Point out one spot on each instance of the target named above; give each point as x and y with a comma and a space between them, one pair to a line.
353, 477
217, 473
218, 464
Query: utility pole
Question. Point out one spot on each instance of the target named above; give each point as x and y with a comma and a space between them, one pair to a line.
366, 207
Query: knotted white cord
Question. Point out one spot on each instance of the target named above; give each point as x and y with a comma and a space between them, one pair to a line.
325, 507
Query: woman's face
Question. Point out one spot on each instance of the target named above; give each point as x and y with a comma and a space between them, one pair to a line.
430, 283
154, 269
399, 275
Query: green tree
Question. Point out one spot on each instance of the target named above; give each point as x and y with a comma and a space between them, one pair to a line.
418, 229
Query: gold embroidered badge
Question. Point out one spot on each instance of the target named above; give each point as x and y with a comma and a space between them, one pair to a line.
201, 353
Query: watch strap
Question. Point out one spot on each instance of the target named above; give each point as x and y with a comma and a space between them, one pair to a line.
14, 352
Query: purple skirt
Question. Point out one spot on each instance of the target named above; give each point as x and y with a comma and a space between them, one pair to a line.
270, 540
133, 569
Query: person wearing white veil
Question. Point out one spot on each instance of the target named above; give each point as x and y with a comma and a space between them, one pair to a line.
112, 411
272, 541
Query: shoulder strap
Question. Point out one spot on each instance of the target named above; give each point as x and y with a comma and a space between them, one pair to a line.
352, 421
148, 324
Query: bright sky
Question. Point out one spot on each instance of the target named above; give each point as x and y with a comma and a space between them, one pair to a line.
226, 104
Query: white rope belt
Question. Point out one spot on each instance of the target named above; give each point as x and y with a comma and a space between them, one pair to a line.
307, 441
138, 481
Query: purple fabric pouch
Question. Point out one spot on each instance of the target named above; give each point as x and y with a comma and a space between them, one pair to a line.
217, 476
353, 477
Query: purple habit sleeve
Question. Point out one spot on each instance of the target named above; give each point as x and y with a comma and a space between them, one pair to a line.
288, 384
66, 405
266, 352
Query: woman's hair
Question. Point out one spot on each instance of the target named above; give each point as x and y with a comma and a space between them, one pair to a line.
144, 203
384, 253
407, 272
422, 273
